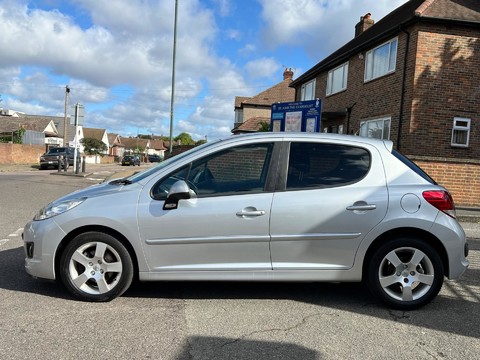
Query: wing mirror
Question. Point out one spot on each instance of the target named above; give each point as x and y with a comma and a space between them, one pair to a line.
178, 191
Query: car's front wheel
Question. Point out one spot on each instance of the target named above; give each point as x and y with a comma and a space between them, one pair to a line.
405, 273
96, 267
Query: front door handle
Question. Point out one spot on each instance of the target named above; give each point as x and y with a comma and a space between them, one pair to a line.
250, 212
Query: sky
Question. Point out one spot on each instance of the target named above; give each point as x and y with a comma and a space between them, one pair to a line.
116, 56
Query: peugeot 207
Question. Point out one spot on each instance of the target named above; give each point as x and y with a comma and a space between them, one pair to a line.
259, 207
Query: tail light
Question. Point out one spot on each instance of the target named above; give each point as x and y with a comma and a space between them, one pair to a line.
442, 200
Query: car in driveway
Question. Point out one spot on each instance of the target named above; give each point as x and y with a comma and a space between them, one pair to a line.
154, 158
56, 154
128, 160
258, 207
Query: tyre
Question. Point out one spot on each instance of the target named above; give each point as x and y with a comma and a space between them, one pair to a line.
96, 267
405, 273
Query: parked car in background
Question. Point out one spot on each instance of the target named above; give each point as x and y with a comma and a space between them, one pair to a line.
54, 155
128, 160
154, 158
258, 207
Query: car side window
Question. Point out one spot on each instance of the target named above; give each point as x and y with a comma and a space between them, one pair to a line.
240, 169
319, 165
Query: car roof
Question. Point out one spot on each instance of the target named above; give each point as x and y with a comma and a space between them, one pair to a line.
293, 136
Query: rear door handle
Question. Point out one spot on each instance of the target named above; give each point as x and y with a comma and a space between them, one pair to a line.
361, 206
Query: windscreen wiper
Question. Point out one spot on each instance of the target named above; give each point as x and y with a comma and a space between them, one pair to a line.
120, 182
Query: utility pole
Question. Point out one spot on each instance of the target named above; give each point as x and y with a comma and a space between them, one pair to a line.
173, 76
67, 91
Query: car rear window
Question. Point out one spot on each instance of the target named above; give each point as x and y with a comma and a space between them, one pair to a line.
413, 166
322, 165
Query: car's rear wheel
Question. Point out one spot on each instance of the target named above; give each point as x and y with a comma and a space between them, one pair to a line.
405, 273
96, 267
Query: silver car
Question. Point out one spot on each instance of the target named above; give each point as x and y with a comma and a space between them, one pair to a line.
260, 207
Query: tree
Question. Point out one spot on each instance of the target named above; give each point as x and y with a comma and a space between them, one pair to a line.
94, 146
185, 139
264, 126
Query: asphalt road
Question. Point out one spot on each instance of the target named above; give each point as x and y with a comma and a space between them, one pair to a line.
215, 320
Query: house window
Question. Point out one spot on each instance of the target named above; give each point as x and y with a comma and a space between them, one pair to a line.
238, 116
378, 128
460, 132
381, 60
337, 79
308, 90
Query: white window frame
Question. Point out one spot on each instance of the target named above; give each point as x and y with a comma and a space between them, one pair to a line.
308, 90
340, 71
460, 125
389, 64
367, 132
239, 116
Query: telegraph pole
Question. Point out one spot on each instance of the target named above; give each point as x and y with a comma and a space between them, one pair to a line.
67, 91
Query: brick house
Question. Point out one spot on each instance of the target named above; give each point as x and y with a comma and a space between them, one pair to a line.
251, 112
413, 78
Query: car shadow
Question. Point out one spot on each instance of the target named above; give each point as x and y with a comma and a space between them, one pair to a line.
459, 299
209, 347
14, 277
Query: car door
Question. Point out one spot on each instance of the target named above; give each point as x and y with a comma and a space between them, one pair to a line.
225, 226
332, 196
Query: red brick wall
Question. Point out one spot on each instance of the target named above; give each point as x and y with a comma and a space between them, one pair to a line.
20, 154
461, 179
445, 85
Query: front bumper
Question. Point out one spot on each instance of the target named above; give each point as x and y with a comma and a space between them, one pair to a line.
41, 241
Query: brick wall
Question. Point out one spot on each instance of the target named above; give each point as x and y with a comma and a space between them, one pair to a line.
20, 154
462, 179
252, 112
445, 85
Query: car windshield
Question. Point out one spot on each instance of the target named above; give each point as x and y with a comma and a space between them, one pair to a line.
56, 150
143, 174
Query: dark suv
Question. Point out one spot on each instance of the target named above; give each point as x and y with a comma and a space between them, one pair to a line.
52, 156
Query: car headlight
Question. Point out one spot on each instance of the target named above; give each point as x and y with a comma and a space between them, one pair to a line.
57, 208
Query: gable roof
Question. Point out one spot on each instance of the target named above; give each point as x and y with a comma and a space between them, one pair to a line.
281, 92
93, 133
132, 143
251, 125
466, 12
157, 144
39, 124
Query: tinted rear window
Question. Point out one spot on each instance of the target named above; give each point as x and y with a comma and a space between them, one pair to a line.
413, 166
325, 165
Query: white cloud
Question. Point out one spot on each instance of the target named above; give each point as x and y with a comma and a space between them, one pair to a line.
321, 26
264, 67
117, 56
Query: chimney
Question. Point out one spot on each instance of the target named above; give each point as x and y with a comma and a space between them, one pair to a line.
364, 24
288, 74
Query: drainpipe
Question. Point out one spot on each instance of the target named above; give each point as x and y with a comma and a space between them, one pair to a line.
349, 112
404, 79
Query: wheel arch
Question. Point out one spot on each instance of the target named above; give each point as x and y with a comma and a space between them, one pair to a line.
407, 232
97, 228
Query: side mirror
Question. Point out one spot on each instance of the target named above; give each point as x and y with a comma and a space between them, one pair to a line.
178, 191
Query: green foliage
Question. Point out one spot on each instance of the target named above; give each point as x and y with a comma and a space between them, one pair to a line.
185, 139
18, 135
13, 137
200, 142
93, 146
264, 126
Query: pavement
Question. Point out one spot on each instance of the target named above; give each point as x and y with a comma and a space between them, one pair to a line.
469, 218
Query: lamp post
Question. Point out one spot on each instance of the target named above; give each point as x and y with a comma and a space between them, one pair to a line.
172, 101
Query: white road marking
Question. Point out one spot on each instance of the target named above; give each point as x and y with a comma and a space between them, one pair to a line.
15, 234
